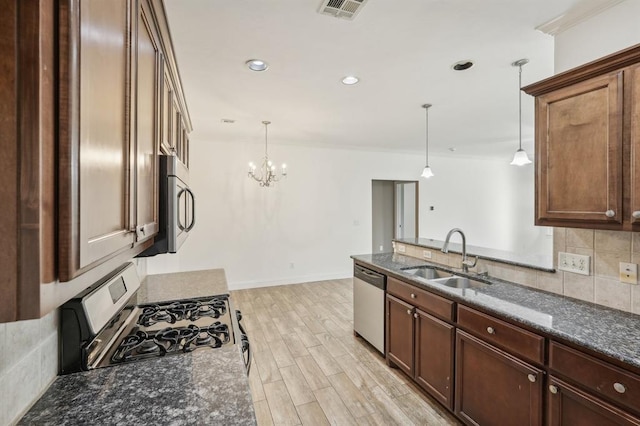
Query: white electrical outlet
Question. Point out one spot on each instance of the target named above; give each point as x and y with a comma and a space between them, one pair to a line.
381, 247
426, 254
628, 273
576, 263
401, 248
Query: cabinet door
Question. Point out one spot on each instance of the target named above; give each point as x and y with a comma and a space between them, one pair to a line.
146, 129
568, 406
95, 182
400, 330
166, 138
578, 126
632, 80
434, 357
493, 387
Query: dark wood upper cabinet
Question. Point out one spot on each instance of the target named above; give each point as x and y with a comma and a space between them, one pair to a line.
147, 129
94, 140
586, 145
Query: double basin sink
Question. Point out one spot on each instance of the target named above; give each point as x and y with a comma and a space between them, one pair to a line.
443, 278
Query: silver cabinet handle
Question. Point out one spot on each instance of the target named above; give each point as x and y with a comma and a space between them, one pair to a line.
416, 315
413, 296
409, 311
490, 330
610, 213
532, 378
553, 389
619, 387
636, 214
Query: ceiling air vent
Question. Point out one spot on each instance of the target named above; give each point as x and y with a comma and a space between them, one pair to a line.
346, 9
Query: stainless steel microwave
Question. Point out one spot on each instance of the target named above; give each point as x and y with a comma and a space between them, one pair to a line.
177, 207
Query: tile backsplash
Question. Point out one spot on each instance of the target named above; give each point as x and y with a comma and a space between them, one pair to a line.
28, 363
606, 248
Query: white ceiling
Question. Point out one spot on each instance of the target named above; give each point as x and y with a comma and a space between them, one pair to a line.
402, 50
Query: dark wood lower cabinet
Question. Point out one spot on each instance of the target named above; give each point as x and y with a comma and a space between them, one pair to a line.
400, 330
434, 357
569, 406
493, 387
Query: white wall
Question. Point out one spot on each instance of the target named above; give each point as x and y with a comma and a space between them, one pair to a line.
612, 30
492, 201
306, 227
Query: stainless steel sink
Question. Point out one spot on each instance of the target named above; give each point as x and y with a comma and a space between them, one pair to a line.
459, 282
427, 273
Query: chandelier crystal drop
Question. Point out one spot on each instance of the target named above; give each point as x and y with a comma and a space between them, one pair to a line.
268, 174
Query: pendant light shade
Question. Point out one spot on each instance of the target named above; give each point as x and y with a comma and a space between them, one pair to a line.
427, 173
520, 158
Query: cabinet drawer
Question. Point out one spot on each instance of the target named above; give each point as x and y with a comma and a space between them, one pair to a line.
596, 375
514, 339
428, 302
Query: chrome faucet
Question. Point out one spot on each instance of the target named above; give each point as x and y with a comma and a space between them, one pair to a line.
466, 263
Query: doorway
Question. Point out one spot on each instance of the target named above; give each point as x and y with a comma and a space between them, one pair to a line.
394, 212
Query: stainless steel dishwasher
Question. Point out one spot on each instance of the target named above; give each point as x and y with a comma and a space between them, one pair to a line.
368, 305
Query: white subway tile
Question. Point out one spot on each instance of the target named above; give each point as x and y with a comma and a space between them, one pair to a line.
4, 361
579, 238
613, 293
22, 338
579, 286
48, 360
612, 241
21, 385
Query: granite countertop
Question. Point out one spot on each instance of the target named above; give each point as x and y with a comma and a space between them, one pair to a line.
608, 331
202, 387
538, 262
182, 285
199, 388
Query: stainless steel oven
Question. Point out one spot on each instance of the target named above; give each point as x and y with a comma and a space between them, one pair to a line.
176, 209
103, 326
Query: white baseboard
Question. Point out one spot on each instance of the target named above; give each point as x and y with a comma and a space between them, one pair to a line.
241, 285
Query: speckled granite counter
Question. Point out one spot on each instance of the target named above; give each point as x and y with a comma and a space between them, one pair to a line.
204, 387
182, 285
541, 263
200, 388
608, 331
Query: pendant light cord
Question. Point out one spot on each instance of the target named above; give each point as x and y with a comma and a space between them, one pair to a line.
520, 107
426, 110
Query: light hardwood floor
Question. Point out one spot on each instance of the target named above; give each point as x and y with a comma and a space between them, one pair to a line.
310, 369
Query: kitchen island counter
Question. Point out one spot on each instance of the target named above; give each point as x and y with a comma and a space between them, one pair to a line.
197, 388
604, 330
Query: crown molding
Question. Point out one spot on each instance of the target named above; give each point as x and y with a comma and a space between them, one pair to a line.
580, 13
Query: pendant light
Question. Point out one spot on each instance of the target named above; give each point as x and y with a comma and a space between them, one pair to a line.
427, 173
520, 158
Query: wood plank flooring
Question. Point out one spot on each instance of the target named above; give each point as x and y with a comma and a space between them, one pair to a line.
310, 369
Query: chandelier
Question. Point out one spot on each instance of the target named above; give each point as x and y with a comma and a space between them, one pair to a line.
268, 175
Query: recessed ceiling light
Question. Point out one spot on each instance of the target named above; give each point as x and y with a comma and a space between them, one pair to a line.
257, 65
452, 149
228, 120
462, 65
350, 80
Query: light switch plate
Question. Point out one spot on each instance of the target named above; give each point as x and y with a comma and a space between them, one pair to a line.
576, 263
426, 254
628, 273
